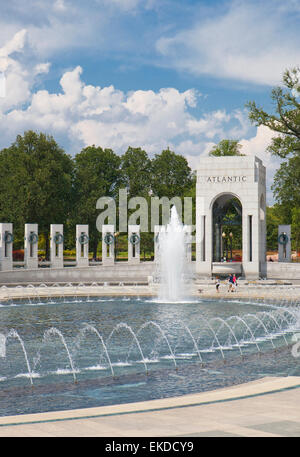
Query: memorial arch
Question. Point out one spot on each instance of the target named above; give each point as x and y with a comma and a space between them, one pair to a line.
238, 184
227, 228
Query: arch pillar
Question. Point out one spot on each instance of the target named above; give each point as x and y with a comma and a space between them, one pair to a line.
57, 245
31, 246
6, 246
82, 245
134, 246
108, 244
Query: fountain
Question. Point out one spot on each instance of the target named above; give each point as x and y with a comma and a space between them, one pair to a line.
172, 260
163, 349
55, 331
93, 329
151, 348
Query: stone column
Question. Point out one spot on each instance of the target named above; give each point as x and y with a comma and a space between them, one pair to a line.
31, 246
6, 246
157, 230
82, 245
204, 241
284, 243
188, 241
108, 244
134, 244
57, 245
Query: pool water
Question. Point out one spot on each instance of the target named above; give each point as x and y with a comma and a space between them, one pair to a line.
72, 353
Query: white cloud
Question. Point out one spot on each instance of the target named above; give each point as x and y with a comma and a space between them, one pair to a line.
19, 77
16, 76
16, 44
257, 145
210, 125
82, 114
135, 119
194, 151
41, 68
85, 114
57, 26
59, 5
250, 41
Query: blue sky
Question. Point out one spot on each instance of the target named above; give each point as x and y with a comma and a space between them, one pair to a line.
148, 73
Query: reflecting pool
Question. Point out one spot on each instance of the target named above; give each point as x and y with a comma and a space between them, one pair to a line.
72, 352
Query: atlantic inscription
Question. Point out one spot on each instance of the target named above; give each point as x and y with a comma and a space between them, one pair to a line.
223, 179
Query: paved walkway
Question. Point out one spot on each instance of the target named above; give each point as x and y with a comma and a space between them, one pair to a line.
261, 290
269, 407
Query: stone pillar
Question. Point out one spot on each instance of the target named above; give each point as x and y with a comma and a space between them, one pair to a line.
82, 245
134, 245
108, 244
188, 241
284, 243
203, 233
57, 245
6, 246
157, 230
31, 246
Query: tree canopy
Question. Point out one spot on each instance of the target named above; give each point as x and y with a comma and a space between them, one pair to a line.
136, 172
171, 175
97, 174
35, 181
41, 183
285, 120
226, 148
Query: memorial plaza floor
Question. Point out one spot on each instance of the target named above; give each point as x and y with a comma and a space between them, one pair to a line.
269, 407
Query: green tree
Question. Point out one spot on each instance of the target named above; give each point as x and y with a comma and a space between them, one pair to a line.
35, 183
171, 175
97, 174
286, 186
135, 172
285, 120
274, 218
226, 148
295, 227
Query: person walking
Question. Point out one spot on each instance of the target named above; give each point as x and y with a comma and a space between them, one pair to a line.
230, 283
234, 283
217, 284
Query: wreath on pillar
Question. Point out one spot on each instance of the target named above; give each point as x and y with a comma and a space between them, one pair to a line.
134, 239
109, 238
283, 238
83, 238
8, 238
33, 238
58, 238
